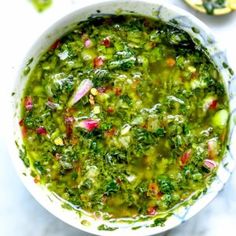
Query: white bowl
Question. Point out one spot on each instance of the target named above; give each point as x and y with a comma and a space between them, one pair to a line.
156, 9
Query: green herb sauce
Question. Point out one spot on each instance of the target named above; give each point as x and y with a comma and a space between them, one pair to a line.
149, 130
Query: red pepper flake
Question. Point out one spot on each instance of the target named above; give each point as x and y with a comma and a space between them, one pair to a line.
106, 42
159, 195
21, 122
69, 121
144, 126
28, 103
110, 110
24, 131
98, 62
41, 131
151, 211
118, 91
185, 157
110, 133
213, 104
56, 44
119, 181
153, 188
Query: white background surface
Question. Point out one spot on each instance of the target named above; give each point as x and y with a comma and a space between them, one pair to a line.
20, 214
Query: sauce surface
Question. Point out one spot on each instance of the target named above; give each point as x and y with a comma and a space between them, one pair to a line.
124, 116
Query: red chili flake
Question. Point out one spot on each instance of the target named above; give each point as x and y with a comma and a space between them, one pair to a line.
41, 131
110, 109
151, 211
23, 131
106, 42
185, 157
119, 181
159, 195
69, 131
89, 124
21, 122
145, 126
56, 44
118, 91
69, 121
213, 104
28, 103
153, 188
111, 132
98, 62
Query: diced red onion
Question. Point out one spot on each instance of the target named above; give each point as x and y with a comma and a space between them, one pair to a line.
28, 103
83, 88
151, 211
41, 131
21, 122
101, 89
51, 105
209, 164
89, 124
87, 43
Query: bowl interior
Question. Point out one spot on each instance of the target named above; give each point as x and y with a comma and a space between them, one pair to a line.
151, 8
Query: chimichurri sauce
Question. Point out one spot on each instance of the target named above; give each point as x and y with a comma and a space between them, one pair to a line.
124, 116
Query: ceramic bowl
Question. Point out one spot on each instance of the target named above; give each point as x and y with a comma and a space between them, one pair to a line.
159, 10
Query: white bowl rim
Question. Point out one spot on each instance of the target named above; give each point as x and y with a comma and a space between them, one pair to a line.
16, 159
